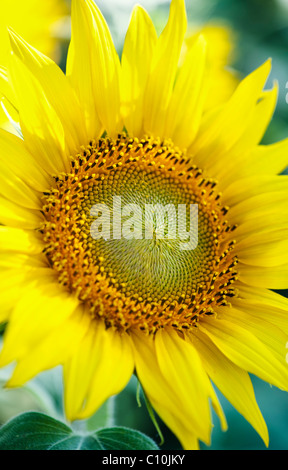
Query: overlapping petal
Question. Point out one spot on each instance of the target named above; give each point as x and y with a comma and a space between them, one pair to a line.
168, 359
100, 367
164, 65
260, 354
93, 68
39, 313
50, 114
233, 381
140, 42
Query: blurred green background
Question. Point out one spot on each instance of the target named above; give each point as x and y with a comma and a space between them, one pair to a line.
260, 30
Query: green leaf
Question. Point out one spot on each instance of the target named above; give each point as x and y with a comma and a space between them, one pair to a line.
121, 438
36, 431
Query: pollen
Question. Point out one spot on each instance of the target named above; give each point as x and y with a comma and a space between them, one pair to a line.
141, 280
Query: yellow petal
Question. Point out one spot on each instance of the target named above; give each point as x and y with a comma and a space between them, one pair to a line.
187, 101
39, 312
235, 162
222, 128
15, 156
264, 204
263, 304
17, 216
13, 283
269, 334
275, 277
93, 67
41, 127
137, 53
259, 120
23, 241
232, 381
163, 69
171, 372
245, 188
170, 346
264, 249
22, 261
34, 20
262, 296
277, 222
14, 189
7, 98
53, 350
56, 98
269, 159
100, 367
247, 351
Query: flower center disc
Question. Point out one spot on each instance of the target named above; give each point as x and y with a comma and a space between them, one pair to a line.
139, 235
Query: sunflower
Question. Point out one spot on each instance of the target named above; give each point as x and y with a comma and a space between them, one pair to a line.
182, 320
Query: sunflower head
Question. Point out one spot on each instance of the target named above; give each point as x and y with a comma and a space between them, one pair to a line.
149, 278
135, 225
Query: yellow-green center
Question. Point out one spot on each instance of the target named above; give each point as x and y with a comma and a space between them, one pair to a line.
112, 232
